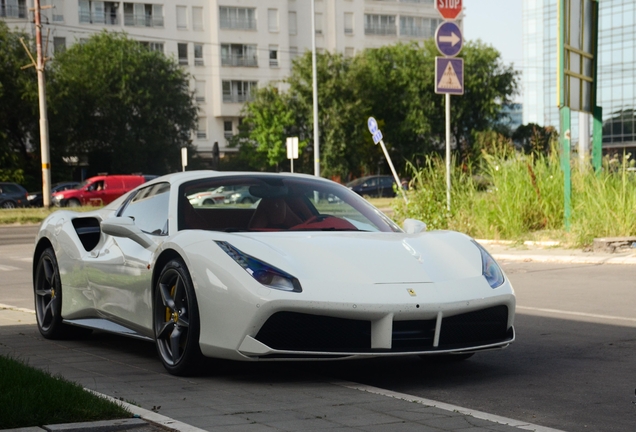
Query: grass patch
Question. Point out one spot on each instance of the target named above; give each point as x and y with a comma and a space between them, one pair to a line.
31, 397
514, 196
32, 215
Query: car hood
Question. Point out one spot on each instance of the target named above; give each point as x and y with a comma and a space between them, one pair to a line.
367, 258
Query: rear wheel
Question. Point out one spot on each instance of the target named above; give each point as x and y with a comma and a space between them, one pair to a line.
48, 299
247, 201
176, 320
208, 202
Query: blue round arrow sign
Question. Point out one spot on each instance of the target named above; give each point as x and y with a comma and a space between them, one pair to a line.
448, 38
373, 125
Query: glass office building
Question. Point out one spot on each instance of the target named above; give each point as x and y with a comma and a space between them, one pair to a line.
616, 80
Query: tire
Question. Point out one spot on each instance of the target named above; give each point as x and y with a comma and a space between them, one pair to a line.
73, 203
8, 205
446, 358
208, 202
176, 320
247, 201
47, 289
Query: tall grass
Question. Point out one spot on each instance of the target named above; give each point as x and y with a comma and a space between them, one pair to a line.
509, 195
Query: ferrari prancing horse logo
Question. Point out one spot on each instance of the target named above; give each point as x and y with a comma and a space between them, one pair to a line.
411, 292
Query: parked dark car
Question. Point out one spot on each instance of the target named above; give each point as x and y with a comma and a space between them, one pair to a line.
373, 186
36, 198
12, 195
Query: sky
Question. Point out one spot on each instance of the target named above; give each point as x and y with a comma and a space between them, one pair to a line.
497, 23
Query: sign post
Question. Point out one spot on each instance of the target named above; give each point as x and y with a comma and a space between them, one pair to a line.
184, 158
292, 150
449, 71
377, 138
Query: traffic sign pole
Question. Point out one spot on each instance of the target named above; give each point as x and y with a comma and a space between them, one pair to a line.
377, 138
448, 153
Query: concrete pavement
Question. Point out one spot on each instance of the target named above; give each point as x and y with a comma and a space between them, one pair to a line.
232, 397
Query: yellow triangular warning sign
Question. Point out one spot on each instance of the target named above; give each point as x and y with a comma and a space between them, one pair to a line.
449, 79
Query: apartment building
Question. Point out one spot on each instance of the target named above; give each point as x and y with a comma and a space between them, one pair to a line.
231, 47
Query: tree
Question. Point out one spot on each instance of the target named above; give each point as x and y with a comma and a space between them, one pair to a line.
18, 109
126, 108
396, 85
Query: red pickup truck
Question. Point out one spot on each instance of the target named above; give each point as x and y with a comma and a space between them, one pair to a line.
98, 190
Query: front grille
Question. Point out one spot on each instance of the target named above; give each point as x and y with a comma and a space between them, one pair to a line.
293, 331
475, 328
303, 332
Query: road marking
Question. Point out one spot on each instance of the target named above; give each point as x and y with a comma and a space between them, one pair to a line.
447, 407
581, 314
8, 268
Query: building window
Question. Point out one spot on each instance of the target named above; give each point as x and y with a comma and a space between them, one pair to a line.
199, 91
418, 26
349, 52
237, 18
59, 44
197, 18
318, 18
198, 54
273, 55
13, 8
98, 12
292, 23
182, 50
239, 55
272, 20
153, 46
348, 23
143, 14
202, 128
182, 20
58, 10
238, 91
228, 131
379, 25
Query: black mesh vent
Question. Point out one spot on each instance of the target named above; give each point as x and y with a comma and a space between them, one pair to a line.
413, 335
475, 328
302, 332
293, 331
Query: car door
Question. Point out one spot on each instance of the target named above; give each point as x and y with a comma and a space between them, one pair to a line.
121, 276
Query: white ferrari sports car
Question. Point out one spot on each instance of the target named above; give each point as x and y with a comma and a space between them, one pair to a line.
310, 271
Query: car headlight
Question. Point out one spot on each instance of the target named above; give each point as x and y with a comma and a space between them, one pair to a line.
264, 273
58, 197
489, 268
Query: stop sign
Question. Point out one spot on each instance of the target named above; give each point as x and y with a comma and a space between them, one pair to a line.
448, 9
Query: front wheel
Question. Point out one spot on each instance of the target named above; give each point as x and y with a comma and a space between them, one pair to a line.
8, 205
73, 203
48, 299
176, 320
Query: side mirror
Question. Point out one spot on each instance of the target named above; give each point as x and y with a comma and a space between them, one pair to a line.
413, 226
125, 227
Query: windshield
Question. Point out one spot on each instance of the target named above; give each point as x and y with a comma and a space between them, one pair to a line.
278, 203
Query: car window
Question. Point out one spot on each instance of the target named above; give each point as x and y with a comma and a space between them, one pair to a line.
149, 208
387, 181
268, 203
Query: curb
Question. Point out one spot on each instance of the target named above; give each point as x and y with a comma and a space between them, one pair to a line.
566, 259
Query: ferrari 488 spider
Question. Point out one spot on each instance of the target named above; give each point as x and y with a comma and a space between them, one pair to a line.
308, 271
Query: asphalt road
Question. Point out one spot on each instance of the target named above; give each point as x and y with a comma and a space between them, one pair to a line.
571, 368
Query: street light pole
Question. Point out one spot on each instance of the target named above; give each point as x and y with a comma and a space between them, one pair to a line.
314, 75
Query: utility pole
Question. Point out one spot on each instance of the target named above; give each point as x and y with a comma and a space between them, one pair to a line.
44, 124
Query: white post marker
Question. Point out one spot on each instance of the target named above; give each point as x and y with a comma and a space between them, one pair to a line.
377, 138
184, 158
292, 150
